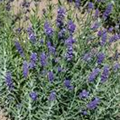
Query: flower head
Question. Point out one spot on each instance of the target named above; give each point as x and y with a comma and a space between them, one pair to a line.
50, 76
52, 96
107, 11
93, 104
116, 67
19, 48
103, 39
100, 58
105, 73
60, 17
94, 74
25, 69
71, 26
33, 59
90, 6
77, 3
48, 29
68, 84
43, 58
9, 81
84, 94
33, 95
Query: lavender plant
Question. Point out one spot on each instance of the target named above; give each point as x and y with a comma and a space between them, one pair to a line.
59, 68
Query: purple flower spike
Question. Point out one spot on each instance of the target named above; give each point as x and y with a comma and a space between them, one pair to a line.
52, 96
51, 76
9, 81
84, 94
94, 74
103, 39
71, 26
93, 104
87, 57
33, 59
114, 38
48, 29
100, 58
95, 26
90, 6
60, 17
68, 84
25, 69
19, 48
107, 11
116, 67
96, 13
43, 58
32, 37
84, 112
77, 3
105, 73
33, 95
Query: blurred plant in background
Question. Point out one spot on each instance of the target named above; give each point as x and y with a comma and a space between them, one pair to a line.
60, 67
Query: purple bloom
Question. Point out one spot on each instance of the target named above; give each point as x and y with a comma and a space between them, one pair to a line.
61, 34
69, 42
43, 58
116, 67
9, 81
103, 39
52, 96
70, 0
60, 17
48, 29
100, 58
25, 69
33, 95
90, 6
114, 38
87, 57
110, 29
84, 94
68, 84
51, 48
59, 69
94, 74
50, 76
33, 59
19, 48
96, 13
95, 26
71, 26
107, 11
84, 112
100, 33
105, 73
93, 104
77, 3
32, 37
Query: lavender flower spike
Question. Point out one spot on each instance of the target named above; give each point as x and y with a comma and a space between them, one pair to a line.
84, 94
93, 104
51, 76
9, 80
107, 11
105, 73
52, 96
19, 48
43, 58
33, 59
68, 84
71, 26
25, 69
33, 95
100, 58
93, 74
48, 30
